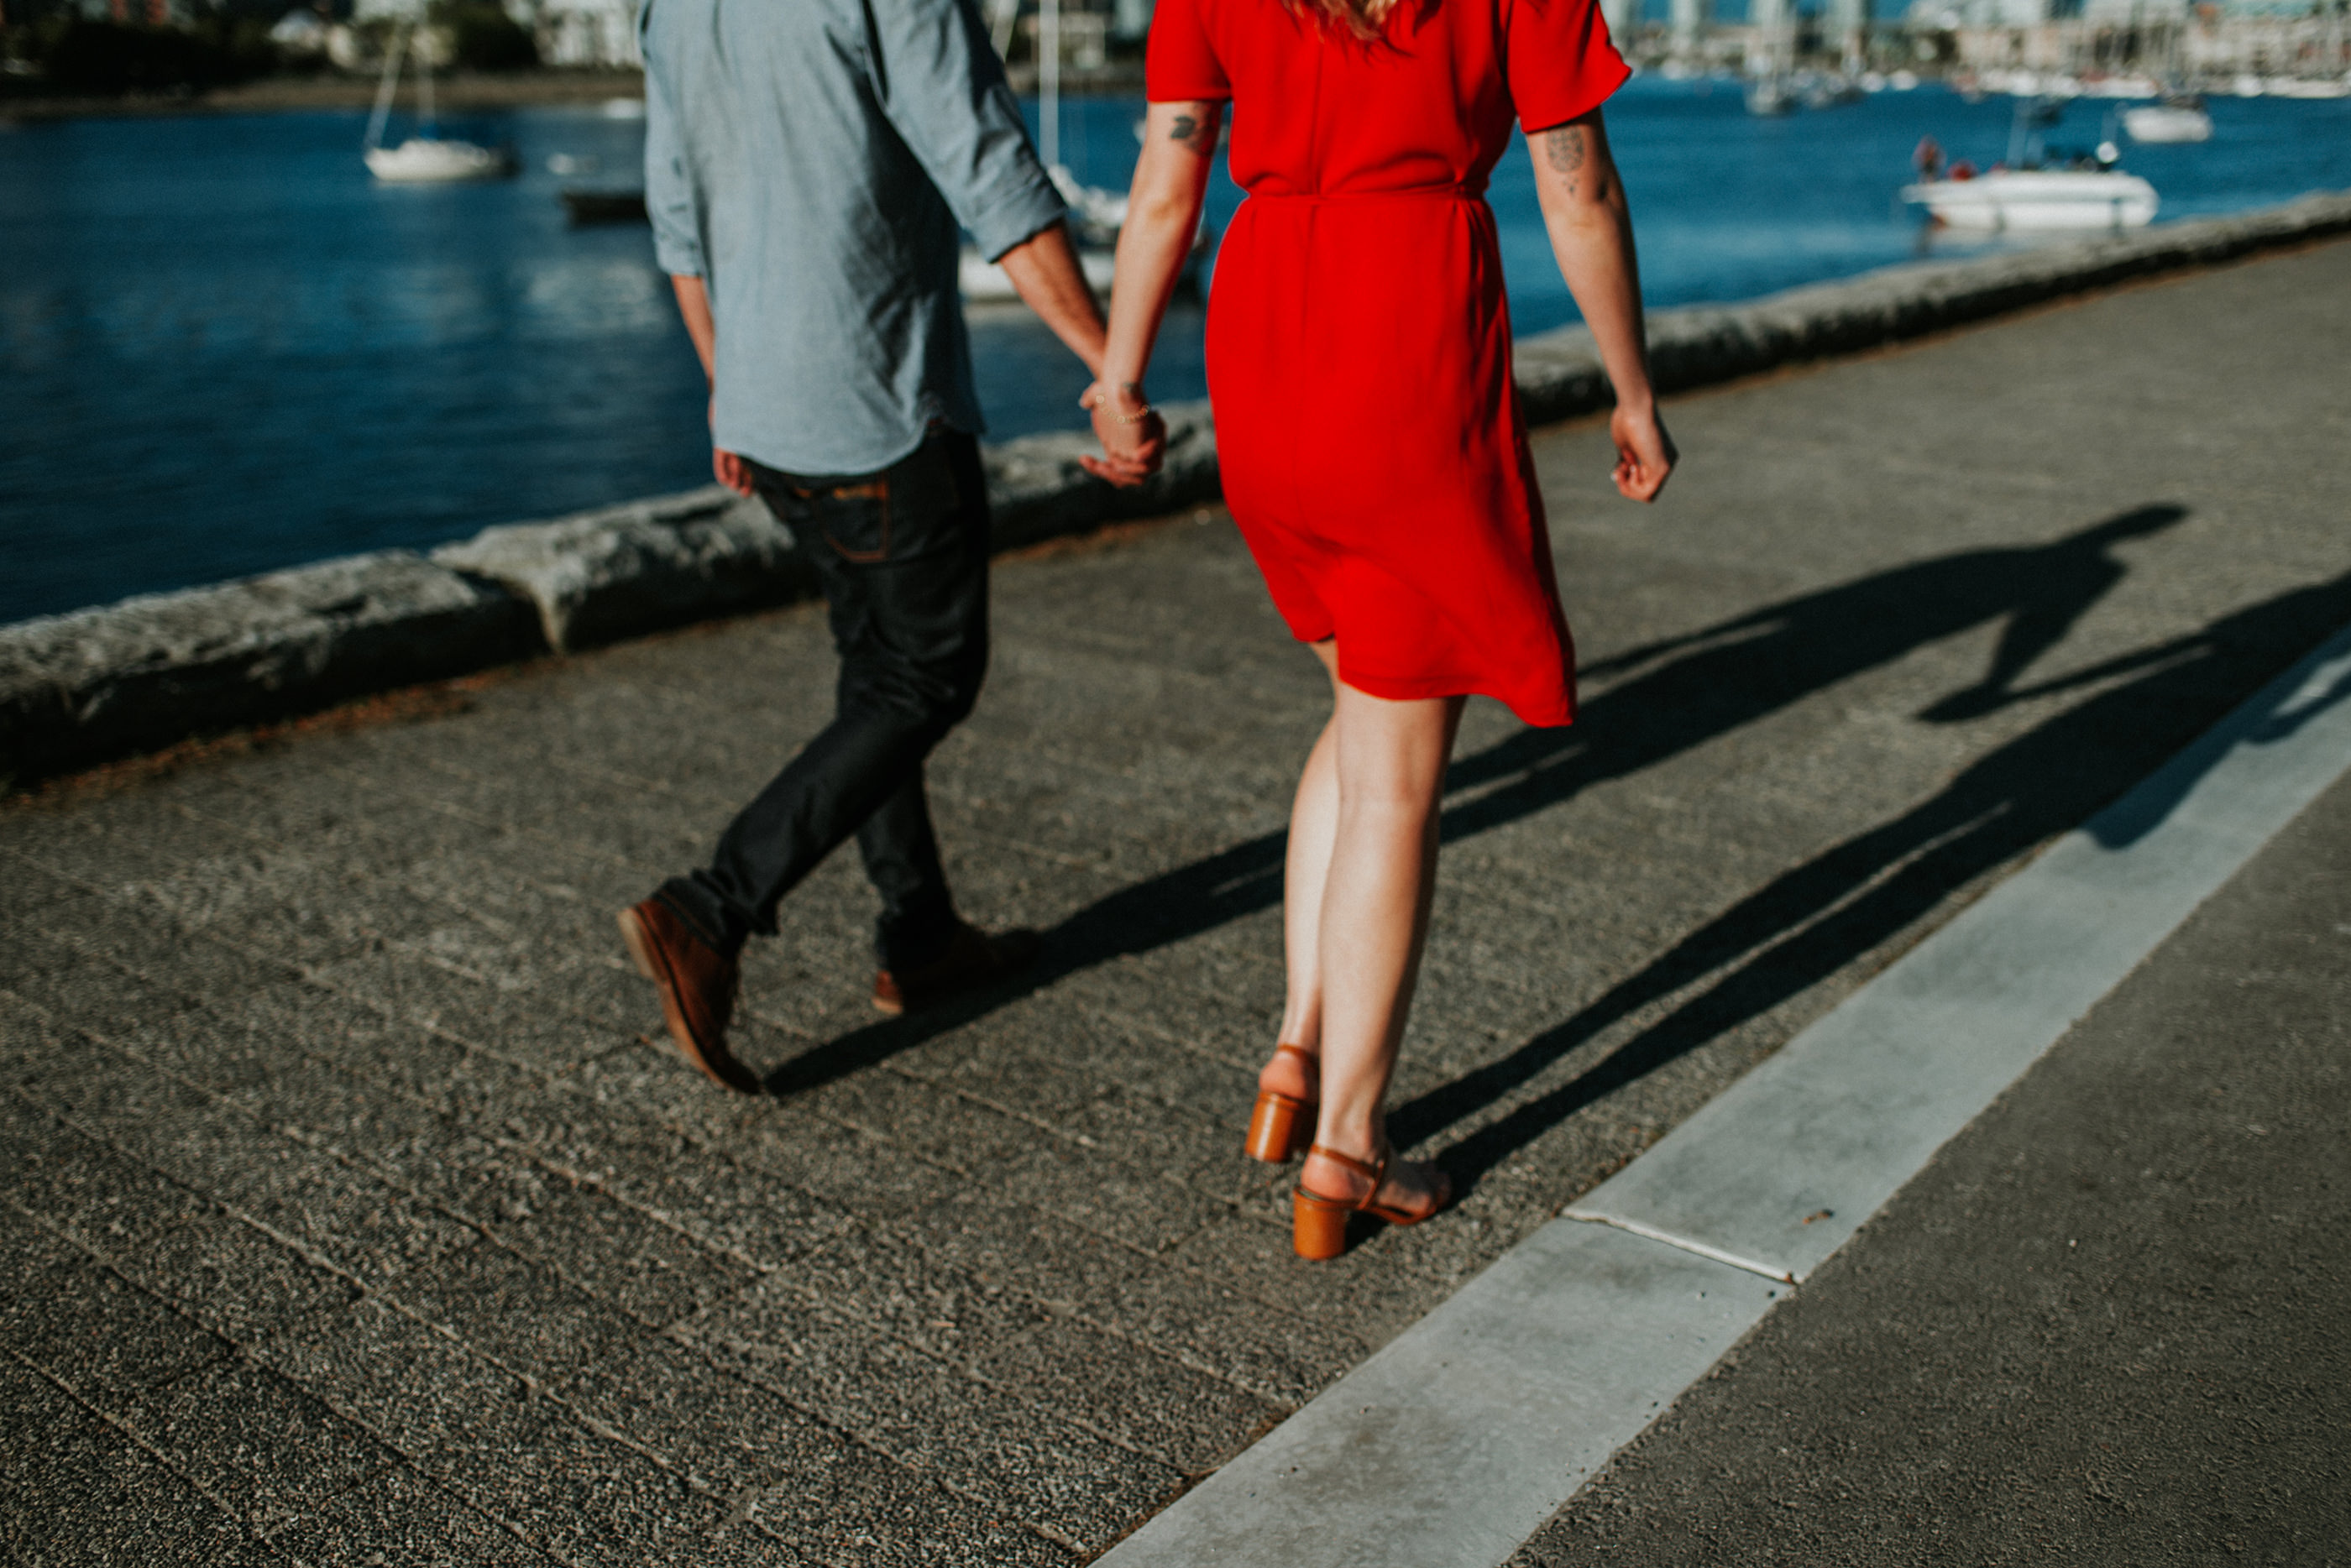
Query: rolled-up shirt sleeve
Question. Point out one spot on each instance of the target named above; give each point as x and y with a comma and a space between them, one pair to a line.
671, 202
939, 82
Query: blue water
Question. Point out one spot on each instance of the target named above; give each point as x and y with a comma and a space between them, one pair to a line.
223, 348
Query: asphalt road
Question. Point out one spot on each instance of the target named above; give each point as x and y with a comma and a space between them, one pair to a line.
2110, 1322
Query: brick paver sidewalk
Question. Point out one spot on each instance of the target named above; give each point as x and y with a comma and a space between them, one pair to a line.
350, 1202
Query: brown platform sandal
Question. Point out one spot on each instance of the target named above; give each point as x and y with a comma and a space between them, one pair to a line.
1318, 1225
1280, 1128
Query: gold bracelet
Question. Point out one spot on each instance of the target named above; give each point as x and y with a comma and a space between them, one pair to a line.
1133, 418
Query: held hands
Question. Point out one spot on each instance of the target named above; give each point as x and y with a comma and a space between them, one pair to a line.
1134, 437
1645, 452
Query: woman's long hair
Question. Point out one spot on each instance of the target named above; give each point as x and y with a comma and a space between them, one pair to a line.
1364, 19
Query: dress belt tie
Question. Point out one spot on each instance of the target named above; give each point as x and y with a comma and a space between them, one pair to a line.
1407, 193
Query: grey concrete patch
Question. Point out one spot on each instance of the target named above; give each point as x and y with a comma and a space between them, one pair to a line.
1449, 1446
1780, 1171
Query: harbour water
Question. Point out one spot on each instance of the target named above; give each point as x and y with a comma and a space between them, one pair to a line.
225, 349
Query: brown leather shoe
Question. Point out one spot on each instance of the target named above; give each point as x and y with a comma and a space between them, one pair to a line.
697, 989
973, 958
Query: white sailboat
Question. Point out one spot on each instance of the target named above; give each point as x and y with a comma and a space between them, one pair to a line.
1095, 214
425, 158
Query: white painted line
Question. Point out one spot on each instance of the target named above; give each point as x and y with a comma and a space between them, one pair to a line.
1784, 1166
1456, 1442
1701, 1249
1452, 1445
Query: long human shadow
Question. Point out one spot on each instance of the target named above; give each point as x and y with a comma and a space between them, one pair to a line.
1657, 702
1814, 921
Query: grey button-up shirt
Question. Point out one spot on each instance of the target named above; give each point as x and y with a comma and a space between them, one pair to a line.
810, 160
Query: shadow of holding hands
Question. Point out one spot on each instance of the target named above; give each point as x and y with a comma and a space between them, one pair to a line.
1670, 697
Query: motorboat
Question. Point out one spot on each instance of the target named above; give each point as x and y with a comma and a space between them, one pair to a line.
2007, 201
2176, 119
2033, 193
427, 158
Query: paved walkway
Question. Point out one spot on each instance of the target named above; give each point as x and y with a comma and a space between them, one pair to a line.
352, 1204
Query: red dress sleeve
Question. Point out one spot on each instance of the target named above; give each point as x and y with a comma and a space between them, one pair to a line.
1559, 58
1179, 64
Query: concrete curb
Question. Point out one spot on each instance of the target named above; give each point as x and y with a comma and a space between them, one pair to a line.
78, 689
1451, 1446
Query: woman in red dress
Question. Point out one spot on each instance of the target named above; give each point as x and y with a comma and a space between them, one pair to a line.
1375, 456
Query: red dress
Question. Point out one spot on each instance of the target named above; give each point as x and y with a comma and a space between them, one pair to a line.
1358, 342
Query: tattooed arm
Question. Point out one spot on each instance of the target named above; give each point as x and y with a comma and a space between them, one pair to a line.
1163, 213
1590, 232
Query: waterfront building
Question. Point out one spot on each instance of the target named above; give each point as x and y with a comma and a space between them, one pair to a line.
580, 33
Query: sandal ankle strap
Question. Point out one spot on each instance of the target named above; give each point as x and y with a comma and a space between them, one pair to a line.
1377, 1170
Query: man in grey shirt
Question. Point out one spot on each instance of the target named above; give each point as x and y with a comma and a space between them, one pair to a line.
807, 164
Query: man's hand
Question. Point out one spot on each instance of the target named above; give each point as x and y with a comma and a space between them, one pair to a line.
728, 468
693, 307
1645, 452
1134, 437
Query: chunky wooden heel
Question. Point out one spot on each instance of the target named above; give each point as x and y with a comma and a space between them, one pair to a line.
1318, 1225
1282, 1127
1318, 1222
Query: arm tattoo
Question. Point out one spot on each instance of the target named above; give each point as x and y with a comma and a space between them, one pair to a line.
1565, 147
1197, 132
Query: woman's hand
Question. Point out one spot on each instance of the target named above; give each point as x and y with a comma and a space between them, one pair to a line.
1645, 452
1134, 437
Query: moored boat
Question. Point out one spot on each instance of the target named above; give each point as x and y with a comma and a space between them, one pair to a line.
427, 158
2011, 199
2176, 119
586, 206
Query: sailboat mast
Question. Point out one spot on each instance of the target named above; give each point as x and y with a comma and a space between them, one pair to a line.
384, 91
424, 54
1049, 80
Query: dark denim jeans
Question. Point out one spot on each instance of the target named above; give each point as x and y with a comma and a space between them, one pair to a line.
902, 555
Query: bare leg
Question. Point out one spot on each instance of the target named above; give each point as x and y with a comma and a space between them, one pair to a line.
1313, 824
1390, 762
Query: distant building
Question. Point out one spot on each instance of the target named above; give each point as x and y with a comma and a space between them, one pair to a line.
581, 32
